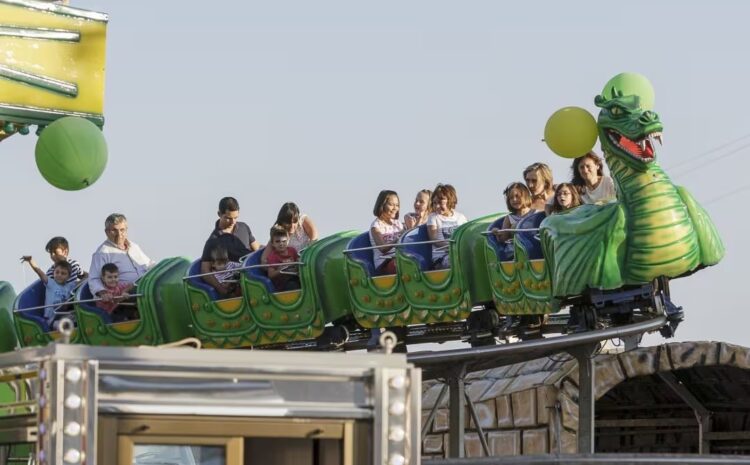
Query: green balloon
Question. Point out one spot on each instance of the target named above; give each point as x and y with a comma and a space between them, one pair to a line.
71, 153
632, 84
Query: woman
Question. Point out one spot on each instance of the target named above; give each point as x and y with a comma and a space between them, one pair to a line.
538, 178
592, 183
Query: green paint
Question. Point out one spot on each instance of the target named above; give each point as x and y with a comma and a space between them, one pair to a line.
217, 327
8, 340
158, 310
653, 229
519, 287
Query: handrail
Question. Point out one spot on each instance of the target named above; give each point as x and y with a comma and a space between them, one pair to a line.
399, 244
72, 302
493, 231
242, 268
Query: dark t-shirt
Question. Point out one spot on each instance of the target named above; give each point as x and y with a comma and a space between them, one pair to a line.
237, 243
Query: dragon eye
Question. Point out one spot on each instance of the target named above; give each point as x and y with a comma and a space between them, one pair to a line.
616, 111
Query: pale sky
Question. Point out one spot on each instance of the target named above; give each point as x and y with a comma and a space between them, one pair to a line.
325, 103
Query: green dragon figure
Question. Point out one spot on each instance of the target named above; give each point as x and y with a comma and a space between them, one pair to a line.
654, 228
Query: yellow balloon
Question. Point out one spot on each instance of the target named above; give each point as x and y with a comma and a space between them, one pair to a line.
570, 132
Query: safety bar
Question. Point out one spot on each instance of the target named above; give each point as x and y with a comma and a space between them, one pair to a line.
491, 233
242, 268
85, 301
399, 244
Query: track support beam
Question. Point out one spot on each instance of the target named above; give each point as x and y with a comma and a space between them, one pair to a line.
584, 354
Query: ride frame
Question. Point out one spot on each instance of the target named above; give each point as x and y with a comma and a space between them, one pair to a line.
96, 405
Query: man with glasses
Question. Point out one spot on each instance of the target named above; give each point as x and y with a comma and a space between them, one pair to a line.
130, 260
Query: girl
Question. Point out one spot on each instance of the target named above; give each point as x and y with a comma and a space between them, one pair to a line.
518, 200
442, 222
384, 231
566, 197
538, 178
422, 210
589, 178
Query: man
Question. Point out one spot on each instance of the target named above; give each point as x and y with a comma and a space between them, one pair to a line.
131, 262
235, 236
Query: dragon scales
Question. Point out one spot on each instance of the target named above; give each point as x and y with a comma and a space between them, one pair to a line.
654, 229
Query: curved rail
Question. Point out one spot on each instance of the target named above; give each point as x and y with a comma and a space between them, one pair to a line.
436, 364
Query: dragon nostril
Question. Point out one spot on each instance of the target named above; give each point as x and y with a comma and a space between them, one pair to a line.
647, 117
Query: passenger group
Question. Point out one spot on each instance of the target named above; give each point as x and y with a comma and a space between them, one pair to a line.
118, 262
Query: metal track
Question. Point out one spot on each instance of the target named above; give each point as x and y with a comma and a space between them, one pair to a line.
439, 364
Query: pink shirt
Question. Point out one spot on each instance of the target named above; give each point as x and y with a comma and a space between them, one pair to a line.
390, 233
116, 291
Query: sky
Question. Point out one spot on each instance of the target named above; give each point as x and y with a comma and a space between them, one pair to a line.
325, 103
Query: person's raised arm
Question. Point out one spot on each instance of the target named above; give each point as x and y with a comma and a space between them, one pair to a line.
309, 227
410, 221
39, 272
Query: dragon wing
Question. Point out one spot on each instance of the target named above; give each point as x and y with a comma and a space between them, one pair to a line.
712, 248
584, 247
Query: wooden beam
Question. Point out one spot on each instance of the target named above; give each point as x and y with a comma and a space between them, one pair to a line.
645, 422
728, 436
702, 415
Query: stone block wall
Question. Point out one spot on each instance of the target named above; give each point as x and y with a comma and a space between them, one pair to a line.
532, 407
523, 422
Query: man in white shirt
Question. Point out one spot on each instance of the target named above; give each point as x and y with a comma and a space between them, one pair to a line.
118, 249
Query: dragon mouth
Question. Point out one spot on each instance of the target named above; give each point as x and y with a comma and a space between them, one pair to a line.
641, 149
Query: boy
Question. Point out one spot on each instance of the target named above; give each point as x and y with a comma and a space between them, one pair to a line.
114, 290
281, 253
225, 275
58, 250
57, 290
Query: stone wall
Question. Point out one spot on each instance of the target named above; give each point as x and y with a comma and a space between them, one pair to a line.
532, 407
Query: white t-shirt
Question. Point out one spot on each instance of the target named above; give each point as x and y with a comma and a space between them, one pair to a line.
604, 192
131, 263
445, 226
390, 233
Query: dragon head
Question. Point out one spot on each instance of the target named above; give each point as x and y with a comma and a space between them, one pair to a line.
626, 130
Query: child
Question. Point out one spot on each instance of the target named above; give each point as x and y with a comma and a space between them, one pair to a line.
538, 178
58, 249
422, 209
589, 178
114, 290
57, 290
281, 253
442, 222
226, 274
385, 230
518, 201
566, 197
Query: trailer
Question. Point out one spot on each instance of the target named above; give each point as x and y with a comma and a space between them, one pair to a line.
77, 404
